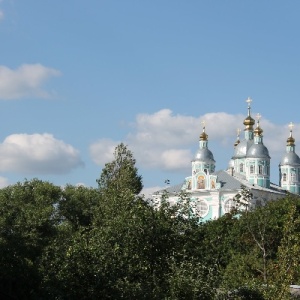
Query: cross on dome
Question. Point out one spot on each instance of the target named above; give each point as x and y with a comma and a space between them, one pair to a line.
249, 100
258, 116
203, 135
291, 141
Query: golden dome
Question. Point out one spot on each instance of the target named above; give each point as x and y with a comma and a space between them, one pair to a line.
290, 141
249, 122
258, 131
203, 136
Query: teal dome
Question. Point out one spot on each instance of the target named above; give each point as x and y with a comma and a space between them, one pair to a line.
242, 148
290, 158
204, 155
258, 151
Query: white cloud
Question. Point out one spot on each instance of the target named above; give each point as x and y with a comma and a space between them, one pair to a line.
164, 141
25, 81
37, 154
3, 182
102, 151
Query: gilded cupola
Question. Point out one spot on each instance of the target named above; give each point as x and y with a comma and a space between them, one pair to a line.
249, 121
203, 135
290, 141
258, 131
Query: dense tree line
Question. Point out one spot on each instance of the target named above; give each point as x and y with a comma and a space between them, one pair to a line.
111, 243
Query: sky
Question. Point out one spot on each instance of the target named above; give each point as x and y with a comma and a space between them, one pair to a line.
79, 77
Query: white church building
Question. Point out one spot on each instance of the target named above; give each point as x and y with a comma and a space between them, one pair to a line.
212, 192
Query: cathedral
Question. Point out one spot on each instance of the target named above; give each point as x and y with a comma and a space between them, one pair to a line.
212, 192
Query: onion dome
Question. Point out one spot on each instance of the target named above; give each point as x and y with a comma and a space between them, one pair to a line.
242, 148
258, 151
249, 121
290, 141
205, 155
258, 131
290, 157
203, 135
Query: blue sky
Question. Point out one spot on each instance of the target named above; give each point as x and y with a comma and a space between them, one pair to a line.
77, 78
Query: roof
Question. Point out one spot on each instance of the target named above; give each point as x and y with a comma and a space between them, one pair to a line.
171, 189
229, 183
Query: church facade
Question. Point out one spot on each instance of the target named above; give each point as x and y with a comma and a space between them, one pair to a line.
212, 193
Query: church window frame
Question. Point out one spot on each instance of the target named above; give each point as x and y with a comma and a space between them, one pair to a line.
293, 177
260, 169
268, 170
241, 167
284, 177
251, 169
202, 208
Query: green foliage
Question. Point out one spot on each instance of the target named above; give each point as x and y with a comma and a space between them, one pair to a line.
109, 243
27, 222
285, 269
77, 205
121, 174
191, 279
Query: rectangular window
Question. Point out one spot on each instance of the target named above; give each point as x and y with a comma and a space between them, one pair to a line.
260, 169
241, 168
293, 177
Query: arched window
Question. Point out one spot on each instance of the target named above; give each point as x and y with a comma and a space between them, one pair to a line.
229, 205
284, 177
241, 168
251, 169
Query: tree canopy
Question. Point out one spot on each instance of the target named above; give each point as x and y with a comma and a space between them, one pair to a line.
76, 242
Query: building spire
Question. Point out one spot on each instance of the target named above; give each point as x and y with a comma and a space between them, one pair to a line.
291, 141
249, 100
203, 135
249, 122
258, 131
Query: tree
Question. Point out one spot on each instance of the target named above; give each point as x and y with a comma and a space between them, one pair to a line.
285, 269
77, 205
28, 223
259, 238
121, 173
